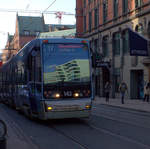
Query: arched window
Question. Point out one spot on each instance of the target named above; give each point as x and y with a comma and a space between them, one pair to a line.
105, 10
139, 28
138, 3
116, 8
105, 46
125, 41
116, 43
125, 6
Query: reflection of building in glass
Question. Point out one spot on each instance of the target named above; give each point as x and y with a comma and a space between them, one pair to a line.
75, 70
50, 77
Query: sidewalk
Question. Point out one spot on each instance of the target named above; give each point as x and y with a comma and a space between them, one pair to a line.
134, 104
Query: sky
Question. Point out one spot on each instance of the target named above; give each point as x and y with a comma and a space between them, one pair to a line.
8, 19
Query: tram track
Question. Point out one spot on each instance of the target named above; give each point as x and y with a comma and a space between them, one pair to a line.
99, 130
110, 108
61, 128
69, 137
120, 120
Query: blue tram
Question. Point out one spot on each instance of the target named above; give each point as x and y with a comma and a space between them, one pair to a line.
49, 79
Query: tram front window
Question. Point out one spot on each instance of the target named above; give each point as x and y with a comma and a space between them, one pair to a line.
66, 69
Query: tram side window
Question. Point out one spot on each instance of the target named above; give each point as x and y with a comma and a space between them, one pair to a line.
16, 74
34, 66
24, 75
19, 75
0, 82
38, 67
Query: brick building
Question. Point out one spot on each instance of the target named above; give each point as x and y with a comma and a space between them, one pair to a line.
105, 23
27, 28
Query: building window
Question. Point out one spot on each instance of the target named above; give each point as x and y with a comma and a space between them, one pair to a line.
96, 19
90, 21
138, 3
105, 10
139, 28
116, 44
125, 42
105, 46
96, 45
26, 33
84, 23
124, 6
84, 3
115, 8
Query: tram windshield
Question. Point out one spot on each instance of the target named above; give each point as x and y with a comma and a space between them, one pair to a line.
66, 64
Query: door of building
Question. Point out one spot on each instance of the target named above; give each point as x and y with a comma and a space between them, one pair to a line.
137, 84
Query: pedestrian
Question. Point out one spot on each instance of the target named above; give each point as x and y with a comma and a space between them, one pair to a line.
107, 90
147, 92
123, 89
146, 96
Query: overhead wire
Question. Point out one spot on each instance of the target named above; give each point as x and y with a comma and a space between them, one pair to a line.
32, 11
49, 6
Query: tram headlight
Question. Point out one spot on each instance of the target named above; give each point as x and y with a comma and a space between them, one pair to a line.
57, 95
76, 95
88, 106
49, 108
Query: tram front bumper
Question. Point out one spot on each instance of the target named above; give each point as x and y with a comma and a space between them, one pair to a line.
67, 109
67, 114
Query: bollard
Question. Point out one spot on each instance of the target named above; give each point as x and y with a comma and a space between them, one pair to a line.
3, 132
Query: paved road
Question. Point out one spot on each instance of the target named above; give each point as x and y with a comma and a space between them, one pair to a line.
131, 124
108, 128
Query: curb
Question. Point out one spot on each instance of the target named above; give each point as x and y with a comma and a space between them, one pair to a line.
144, 112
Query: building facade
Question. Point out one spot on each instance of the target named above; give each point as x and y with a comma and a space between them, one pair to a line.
27, 28
105, 24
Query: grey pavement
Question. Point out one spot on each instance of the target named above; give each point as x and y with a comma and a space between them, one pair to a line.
134, 104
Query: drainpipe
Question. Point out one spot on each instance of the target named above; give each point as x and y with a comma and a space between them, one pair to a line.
112, 69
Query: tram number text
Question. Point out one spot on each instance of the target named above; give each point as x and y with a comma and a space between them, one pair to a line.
68, 93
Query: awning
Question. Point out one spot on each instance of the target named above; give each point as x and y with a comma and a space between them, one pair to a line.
138, 44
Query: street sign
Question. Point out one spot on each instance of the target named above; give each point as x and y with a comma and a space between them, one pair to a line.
102, 64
